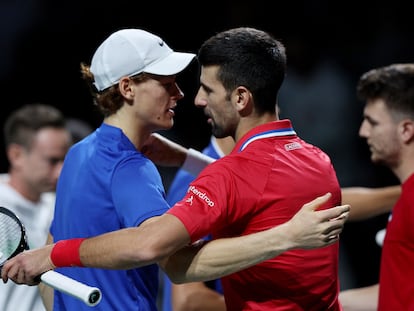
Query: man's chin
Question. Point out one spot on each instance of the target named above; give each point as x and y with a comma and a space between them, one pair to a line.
377, 161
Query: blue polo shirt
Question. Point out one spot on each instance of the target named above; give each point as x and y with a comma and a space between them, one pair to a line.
106, 185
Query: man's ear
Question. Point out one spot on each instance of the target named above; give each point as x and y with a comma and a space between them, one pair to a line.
125, 87
406, 130
14, 154
243, 100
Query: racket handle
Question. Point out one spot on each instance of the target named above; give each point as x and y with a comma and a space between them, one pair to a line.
89, 295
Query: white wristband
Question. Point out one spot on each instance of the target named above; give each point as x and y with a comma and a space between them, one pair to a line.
196, 161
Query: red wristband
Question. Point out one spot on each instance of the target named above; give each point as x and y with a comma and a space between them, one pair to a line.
65, 253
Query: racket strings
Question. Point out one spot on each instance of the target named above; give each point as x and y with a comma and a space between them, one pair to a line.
10, 236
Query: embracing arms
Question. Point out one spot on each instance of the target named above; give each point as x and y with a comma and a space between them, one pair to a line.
157, 239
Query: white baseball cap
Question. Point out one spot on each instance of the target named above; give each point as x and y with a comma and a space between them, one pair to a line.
128, 52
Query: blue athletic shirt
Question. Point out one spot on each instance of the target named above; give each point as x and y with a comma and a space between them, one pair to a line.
106, 185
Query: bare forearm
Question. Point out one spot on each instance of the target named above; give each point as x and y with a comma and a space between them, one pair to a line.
369, 202
307, 229
221, 257
128, 248
122, 249
360, 299
159, 237
115, 251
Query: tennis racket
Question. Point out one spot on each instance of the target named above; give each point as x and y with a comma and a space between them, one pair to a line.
13, 240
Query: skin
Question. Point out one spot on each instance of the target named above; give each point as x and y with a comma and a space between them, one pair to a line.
164, 239
369, 202
387, 137
225, 112
35, 171
360, 299
196, 296
149, 107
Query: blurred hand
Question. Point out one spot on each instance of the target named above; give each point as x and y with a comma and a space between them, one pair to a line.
163, 151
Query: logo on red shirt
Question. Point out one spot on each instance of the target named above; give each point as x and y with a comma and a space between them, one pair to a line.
201, 195
190, 200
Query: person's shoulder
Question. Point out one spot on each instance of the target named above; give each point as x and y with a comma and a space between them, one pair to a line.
4, 177
6, 190
49, 197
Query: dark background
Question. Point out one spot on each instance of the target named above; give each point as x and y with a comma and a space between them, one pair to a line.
329, 45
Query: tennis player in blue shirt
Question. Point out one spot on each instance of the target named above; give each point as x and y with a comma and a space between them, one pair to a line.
105, 175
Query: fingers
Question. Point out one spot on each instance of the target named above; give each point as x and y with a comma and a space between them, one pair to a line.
15, 270
333, 219
18, 276
3, 276
5, 272
318, 202
333, 231
332, 239
340, 212
337, 212
334, 228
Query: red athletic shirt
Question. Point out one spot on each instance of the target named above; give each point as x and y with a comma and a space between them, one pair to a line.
266, 179
397, 258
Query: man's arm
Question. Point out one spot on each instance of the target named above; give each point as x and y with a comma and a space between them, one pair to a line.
369, 202
360, 299
164, 152
160, 237
308, 229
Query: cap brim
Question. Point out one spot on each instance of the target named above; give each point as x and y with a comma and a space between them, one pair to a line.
171, 65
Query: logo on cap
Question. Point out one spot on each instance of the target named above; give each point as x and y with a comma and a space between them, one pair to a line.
161, 43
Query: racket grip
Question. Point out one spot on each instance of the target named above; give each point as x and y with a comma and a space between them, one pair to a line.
89, 295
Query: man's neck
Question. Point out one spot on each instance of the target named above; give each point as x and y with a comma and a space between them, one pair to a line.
248, 123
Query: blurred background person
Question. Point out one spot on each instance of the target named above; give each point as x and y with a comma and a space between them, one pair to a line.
36, 142
388, 127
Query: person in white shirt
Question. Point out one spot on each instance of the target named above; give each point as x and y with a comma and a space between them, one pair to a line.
36, 141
